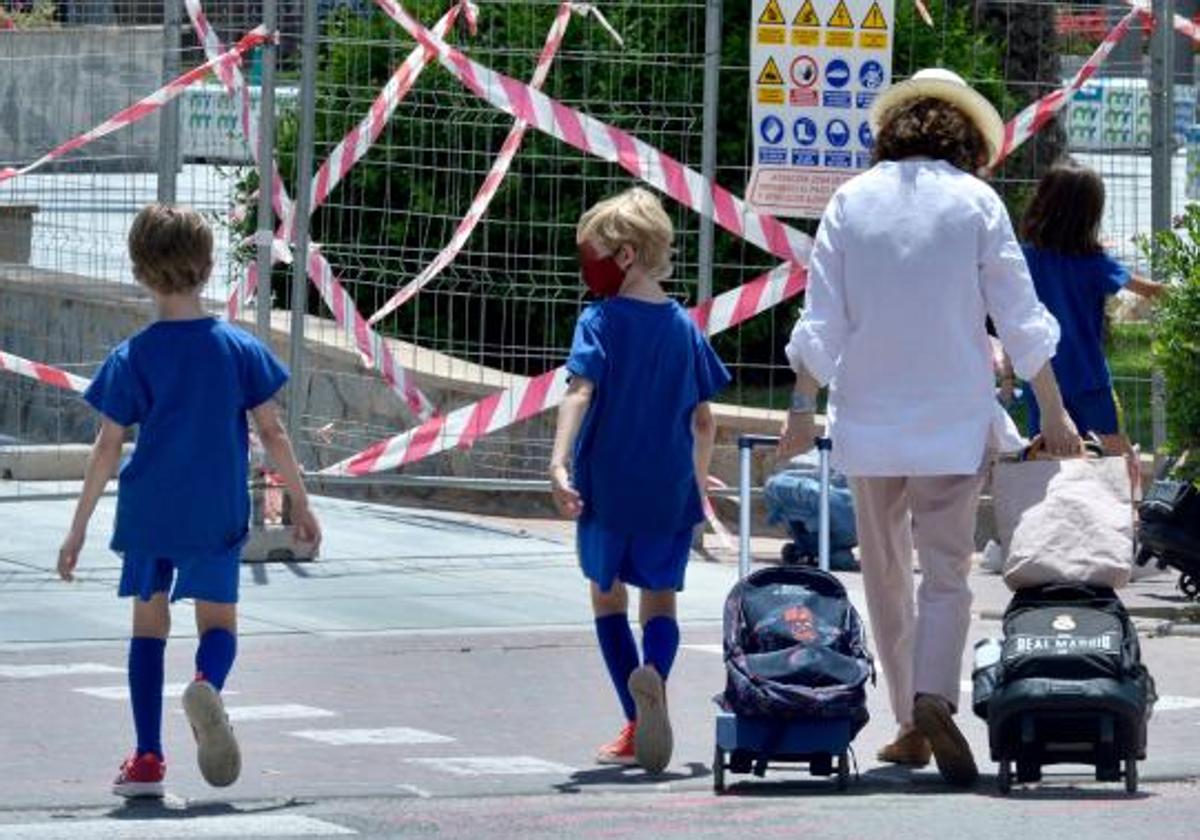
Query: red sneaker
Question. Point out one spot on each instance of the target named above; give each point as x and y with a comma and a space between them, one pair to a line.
620, 750
141, 775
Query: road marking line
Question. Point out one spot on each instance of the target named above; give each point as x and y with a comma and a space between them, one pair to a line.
162, 828
283, 711
499, 765
386, 735
121, 692
32, 672
1176, 703
717, 649
420, 793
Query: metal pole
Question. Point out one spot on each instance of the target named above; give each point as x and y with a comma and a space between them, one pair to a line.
708, 149
168, 118
824, 445
1162, 122
744, 450
304, 175
266, 156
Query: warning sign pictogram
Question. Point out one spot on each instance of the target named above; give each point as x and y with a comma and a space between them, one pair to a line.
807, 16
840, 19
770, 74
772, 15
874, 18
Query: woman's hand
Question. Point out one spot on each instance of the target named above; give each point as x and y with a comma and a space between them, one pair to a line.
1060, 436
566, 498
797, 435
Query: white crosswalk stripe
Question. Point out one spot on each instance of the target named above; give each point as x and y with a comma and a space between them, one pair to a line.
121, 692
225, 825
33, 672
494, 765
358, 737
717, 649
283, 711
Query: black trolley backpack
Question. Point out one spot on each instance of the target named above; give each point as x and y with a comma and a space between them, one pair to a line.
1169, 531
1069, 687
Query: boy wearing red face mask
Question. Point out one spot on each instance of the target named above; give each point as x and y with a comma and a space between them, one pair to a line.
635, 436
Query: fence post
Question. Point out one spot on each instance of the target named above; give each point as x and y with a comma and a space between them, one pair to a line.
266, 157
1162, 122
168, 118
304, 176
708, 150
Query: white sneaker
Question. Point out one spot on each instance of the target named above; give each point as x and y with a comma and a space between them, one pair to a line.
652, 740
217, 750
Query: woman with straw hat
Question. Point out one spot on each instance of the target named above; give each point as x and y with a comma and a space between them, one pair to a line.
910, 259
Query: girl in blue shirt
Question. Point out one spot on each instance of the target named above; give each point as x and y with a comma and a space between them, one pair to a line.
1074, 277
187, 382
635, 435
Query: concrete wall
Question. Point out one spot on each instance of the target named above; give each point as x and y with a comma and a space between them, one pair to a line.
58, 83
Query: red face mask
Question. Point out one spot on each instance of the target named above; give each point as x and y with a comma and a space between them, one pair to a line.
602, 275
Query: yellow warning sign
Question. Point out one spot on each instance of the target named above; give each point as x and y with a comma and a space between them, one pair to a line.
772, 35
840, 19
770, 74
771, 96
874, 18
772, 15
807, 16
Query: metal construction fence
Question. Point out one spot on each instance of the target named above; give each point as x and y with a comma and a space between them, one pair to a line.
675, 74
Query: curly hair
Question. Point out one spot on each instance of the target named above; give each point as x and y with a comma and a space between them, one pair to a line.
171, 248
933, 128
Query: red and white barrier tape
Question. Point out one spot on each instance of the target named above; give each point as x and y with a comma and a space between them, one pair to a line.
499, 171
1181, 24
463, 426
1031, 120
42, 373
369, 343
923, 11
145, 107
588, 134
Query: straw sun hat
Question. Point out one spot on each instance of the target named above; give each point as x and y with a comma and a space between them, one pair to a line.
939, 83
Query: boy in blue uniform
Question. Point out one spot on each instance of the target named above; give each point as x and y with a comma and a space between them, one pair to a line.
637, 422
187, 381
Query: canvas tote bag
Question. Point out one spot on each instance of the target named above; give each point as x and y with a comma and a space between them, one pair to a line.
1068, 521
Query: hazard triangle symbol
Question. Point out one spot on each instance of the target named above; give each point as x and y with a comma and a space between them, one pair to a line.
807, 16
874, 18
840, 19
772, 15
770, 74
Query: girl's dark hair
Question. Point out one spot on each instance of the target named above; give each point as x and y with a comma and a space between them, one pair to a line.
933, 128
1065, 213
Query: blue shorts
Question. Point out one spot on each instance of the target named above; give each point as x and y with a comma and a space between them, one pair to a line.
656, 562
213, 578
1092, 411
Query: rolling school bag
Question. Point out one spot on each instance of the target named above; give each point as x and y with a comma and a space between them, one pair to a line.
1069, 686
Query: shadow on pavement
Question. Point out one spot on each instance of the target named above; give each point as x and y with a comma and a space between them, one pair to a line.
148, 810
632, 776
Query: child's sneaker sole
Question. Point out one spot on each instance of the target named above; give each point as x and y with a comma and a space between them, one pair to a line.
139, 790
217, 750
653, 742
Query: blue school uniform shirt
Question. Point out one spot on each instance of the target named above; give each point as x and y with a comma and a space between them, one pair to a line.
1074, 288
651, 367
187, 385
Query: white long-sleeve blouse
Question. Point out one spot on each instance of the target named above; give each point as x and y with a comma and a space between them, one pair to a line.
909, 259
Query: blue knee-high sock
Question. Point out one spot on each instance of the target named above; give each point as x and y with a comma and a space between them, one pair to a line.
620, 655
660, 642
214, 657
146, 691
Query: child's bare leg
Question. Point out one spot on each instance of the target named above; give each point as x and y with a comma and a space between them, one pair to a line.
147, 649
615, 600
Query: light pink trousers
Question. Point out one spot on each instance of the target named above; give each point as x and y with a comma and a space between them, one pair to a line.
921, 647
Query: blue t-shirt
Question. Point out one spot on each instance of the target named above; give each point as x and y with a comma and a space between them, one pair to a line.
651, 367
1074, 288
187, 385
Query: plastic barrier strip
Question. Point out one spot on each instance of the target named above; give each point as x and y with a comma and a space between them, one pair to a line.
1180, 24
334, 295
583, 132
1034, 117
463, 426
43, 373
143, 108
491, 184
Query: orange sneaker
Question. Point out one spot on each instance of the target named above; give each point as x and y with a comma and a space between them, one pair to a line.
620, 750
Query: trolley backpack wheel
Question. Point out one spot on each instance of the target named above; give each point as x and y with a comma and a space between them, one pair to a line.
1131, 773
843, 771
718, 770
1189, 585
